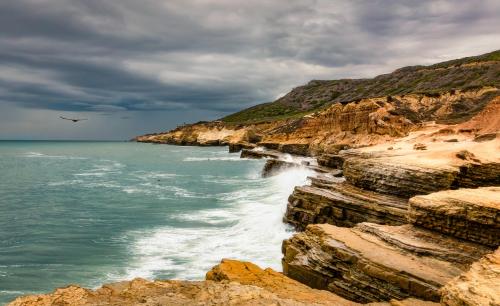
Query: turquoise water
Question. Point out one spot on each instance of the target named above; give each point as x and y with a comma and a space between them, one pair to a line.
94, 212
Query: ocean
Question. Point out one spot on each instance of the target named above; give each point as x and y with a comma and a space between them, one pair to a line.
88, 213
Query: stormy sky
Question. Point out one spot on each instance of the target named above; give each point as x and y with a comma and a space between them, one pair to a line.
134, 67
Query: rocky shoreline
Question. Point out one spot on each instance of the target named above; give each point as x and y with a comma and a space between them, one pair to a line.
421, 232
403, 209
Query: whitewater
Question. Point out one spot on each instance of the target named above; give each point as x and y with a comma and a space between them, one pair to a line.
96, 212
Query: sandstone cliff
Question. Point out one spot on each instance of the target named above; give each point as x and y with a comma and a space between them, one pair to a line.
317, 117
231, 282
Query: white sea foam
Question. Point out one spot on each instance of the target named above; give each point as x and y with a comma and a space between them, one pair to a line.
41, 155
143, 175
211, 216
65, 183
162, 191
251, 228
223, 158
16, 292
102, 169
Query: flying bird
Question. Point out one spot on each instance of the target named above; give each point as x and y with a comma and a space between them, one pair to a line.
72, 119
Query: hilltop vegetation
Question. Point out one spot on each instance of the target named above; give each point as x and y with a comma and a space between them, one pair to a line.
460, 74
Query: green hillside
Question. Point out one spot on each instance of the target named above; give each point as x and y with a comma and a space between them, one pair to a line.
465, 73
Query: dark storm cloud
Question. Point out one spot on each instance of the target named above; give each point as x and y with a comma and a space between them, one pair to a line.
218, 56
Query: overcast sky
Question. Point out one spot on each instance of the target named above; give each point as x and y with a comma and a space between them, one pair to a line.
134, 67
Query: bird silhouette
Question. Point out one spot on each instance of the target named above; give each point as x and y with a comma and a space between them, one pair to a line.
72, 119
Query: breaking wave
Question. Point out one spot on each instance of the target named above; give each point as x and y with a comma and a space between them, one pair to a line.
248, 227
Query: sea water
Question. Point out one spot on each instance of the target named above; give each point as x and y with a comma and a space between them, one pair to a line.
93, 212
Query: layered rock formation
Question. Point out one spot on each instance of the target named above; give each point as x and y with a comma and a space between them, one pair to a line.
319, 116
406, 172
470, 214
357, 123
372, 262
378, 261
334, 201
476, 287
230, 283
275, 166
247, 273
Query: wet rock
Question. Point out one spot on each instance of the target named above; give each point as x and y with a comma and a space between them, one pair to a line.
255, 154
334, 161
333, 201
275, 166
471, 214
371, 262
210, 143
295, 148
270, 145
476, 287
237, 147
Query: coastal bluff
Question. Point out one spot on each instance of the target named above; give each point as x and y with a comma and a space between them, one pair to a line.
229, 283
402, 208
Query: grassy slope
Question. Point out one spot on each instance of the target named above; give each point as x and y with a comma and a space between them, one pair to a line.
430, 80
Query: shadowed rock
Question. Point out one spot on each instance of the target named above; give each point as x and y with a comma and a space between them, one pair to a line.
333, 201
275, 166
254, 154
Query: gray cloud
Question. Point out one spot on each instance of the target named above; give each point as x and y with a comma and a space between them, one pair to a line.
209, 58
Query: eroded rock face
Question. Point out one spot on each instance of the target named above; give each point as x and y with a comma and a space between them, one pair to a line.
390, 177
373, 262
334, 201
334, 161
476, 287
471, 214
258, 154
238, 146
230, 283
247, 273
363, 121
275, 166
395, 176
